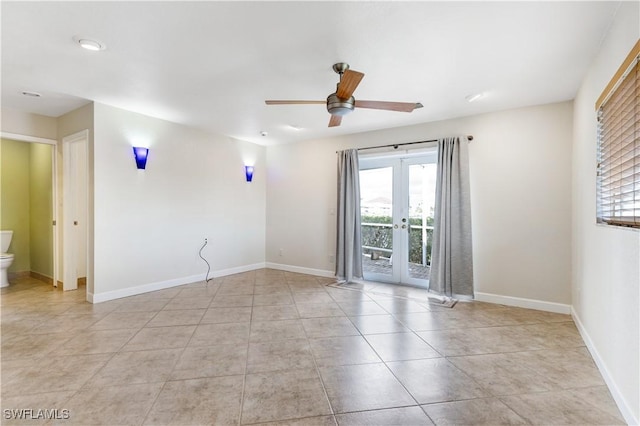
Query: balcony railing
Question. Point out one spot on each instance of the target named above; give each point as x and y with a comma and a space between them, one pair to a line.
383, 242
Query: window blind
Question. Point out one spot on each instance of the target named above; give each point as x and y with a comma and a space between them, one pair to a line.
618, 168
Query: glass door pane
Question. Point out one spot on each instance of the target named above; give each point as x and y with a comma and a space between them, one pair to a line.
376, 214
421, 199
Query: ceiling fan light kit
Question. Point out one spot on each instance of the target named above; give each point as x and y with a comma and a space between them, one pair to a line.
342, 101
337, 106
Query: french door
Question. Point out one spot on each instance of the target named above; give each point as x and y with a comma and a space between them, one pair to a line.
397, 196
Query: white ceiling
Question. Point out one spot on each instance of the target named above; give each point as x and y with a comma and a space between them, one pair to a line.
212, 64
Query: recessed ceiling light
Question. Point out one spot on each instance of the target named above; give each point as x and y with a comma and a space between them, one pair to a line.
31, 94
475, 97
89, 44
263, 133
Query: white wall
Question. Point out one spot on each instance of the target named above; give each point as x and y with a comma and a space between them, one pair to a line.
521, 200
606, 260
26, 124
150, 224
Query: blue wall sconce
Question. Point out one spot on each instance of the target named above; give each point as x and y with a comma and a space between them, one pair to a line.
248, 170
141, 155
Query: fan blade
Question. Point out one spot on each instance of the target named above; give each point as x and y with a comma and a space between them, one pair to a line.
335, 120
348, 83
295, 102
389, 106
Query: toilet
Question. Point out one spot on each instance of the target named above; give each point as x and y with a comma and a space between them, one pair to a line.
6, 259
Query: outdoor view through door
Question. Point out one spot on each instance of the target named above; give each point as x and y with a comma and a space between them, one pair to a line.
397, 198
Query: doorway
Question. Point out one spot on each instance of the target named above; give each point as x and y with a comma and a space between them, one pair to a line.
29, 204
397, 196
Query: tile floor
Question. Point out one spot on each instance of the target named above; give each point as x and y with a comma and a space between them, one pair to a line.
282, 348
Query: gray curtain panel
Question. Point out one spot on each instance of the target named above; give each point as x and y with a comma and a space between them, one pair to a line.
451, 256
349, 239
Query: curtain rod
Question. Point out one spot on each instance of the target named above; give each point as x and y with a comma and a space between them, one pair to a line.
396, 145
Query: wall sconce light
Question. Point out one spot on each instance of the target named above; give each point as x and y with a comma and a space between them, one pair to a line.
141, 155
248, 170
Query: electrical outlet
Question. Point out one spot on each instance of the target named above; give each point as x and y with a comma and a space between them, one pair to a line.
205, 241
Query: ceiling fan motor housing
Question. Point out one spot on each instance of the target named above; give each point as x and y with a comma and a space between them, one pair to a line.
338, 106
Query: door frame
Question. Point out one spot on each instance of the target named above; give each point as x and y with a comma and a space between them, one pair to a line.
54, 190
400, 162
69, 262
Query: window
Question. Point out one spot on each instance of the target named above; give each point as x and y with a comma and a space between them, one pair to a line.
618, 168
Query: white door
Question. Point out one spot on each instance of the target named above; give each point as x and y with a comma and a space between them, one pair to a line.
74, 209
54, 212
397, 195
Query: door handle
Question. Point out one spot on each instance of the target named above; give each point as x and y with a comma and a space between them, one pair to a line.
395, 226
404, 226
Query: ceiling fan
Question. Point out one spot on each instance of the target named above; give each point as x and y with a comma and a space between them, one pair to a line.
342, 102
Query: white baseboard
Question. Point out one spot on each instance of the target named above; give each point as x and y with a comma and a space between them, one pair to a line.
520, 302
623, 406
161, 285
238, 270
145, 288
301, 270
